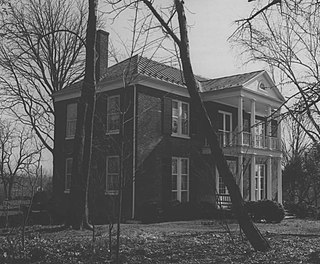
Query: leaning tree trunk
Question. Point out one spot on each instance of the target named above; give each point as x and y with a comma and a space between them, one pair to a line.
78, 210
250, 230
252, 233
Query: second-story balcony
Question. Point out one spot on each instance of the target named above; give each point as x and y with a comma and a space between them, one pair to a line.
245, 139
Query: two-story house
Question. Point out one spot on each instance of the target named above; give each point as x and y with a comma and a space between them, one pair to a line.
146, 133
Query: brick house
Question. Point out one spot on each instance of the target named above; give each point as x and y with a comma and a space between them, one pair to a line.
143, 112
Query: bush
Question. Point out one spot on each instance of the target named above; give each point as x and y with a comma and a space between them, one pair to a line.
265, 210
301, 210
150, 212
177, 211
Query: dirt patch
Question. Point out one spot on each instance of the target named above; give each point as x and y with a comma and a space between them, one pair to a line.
292, 241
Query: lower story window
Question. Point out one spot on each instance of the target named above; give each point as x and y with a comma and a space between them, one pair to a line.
68, 171
259, 182
180, 179
112, 175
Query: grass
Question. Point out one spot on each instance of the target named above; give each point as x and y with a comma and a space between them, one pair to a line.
292, 241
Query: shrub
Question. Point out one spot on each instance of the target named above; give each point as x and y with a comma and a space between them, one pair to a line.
267, 210
150, 212
176, 211
301, 210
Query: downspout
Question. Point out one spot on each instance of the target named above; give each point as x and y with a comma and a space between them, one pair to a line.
134, 151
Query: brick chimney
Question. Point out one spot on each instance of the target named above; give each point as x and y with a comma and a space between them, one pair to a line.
102, 51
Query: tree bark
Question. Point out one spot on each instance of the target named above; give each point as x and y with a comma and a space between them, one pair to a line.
79, 211
252, 233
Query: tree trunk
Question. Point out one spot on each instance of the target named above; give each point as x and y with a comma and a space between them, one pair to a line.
252, 233
79, 212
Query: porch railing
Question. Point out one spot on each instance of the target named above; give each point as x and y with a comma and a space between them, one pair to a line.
233, 139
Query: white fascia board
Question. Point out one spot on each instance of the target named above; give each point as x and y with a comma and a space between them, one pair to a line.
119, 83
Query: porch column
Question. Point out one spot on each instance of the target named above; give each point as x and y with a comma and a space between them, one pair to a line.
253, 122
252, 180
269, 127
279, 130
269, 179
279, 172
240, 121
240, 173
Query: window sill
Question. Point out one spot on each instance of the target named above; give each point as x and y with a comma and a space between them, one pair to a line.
66, 191
180, 136
111, 192
69, 138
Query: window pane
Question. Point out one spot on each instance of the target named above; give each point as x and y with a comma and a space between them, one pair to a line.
227, 125
174, 182
175, 109
174, 166
113, 182
220, 121
184, 197
113, 165
184, 166
174, 196
175, 123
184, 182
72, 111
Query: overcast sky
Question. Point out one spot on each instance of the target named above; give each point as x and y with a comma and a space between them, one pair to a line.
211, 23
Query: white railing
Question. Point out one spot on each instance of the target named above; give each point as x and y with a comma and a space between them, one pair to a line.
232, 139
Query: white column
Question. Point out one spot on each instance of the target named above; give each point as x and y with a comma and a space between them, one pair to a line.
269, 127
253, 173
279, 130
240, 121
269, 179
240, 173
253, 122
279, 172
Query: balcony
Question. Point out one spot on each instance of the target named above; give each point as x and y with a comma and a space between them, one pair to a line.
233, 139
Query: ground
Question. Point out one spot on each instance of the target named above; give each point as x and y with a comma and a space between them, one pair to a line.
202, 241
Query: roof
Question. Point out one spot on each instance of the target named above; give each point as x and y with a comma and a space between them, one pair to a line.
228, 81
143, 66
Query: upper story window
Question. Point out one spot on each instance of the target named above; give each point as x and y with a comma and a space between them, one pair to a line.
71, 120
180, 118
112, 175
225, 128
113, 114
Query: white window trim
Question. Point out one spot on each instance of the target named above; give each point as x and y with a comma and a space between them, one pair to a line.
69, 121
65, 175
116, 131
258, 177
223, 130
111, 192
179, 132
179, 176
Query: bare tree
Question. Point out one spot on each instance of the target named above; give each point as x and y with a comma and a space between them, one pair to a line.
286, 37
41, 52
20, 153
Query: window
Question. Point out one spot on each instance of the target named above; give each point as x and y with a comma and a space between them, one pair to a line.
180, 179
260, 134
259, 182
225, 128
71, 120
180, 118
112, 177
222, 189
68, 171
113, 114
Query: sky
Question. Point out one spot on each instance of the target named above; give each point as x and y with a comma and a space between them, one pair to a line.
211, 24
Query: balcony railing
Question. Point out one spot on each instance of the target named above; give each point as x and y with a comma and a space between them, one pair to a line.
233, 139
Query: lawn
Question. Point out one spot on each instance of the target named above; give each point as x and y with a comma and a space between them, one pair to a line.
292, 241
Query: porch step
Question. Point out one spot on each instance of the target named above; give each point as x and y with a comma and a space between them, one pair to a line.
288, 215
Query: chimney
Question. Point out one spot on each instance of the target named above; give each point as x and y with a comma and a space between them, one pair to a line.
102, 52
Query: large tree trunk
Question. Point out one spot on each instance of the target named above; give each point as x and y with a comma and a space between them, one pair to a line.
250, 230
78, 213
